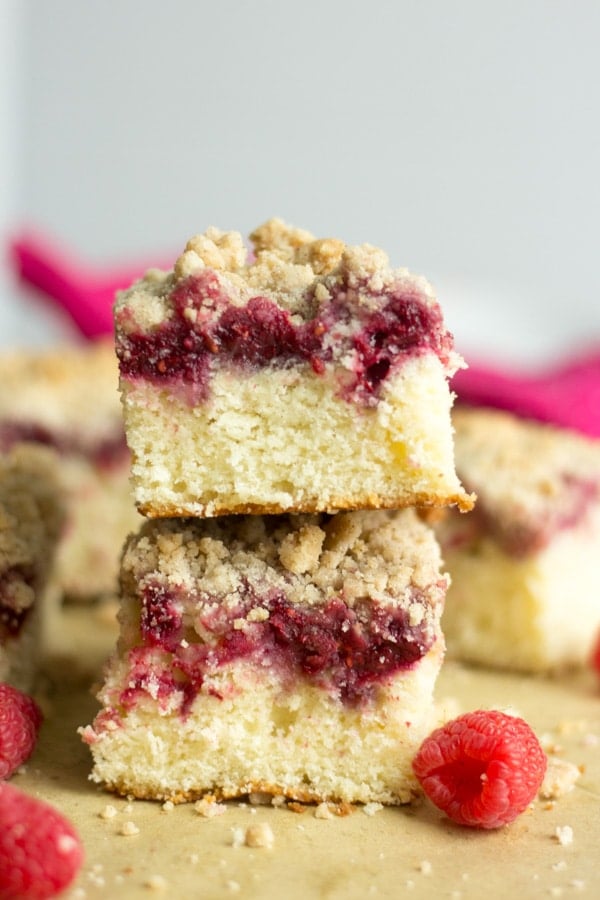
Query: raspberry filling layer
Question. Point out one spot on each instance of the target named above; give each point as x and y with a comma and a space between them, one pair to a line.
522, 537
344, 650
105, 454
206, 327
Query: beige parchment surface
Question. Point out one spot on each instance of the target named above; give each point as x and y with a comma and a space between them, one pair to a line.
401, 852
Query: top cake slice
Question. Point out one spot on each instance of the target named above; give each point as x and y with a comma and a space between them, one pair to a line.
305, 376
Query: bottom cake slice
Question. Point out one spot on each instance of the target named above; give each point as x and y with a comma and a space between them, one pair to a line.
292, 655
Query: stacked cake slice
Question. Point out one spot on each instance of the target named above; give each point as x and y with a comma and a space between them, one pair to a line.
280, 621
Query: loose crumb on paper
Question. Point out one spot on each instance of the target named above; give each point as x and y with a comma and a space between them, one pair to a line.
109, 812
259, 835
323, 811
564, 835
560, 778
157, 883
128, 829
209, 808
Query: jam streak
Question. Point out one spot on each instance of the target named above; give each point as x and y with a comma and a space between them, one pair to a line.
104, 454
205, 325
344, 650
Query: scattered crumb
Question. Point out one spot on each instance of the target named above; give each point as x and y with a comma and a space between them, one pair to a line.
323, 811
577, 883
559, 779
555, 891
233, 886
549, 743
109, 812
96, 879
194, 858
209, 808
237, 837
259, 835
156, 883
425, 867
559, 866
168, 806
371, 808
129, 828
564, 835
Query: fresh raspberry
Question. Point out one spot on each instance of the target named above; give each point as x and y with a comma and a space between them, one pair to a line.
20, 720
40, 852
482, 769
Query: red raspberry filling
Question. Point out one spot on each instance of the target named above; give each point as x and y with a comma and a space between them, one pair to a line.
182, 350
105, 453
347, 651
520, 537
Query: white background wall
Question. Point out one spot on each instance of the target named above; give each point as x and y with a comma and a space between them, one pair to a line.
461, 135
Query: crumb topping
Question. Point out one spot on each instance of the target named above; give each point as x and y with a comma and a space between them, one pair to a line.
531, 479
201, 594
311, 558
284, 263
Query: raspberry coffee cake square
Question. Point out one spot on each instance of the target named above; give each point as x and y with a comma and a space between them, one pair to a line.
292, 655
306, 376
31, 519
525, 579
66, 398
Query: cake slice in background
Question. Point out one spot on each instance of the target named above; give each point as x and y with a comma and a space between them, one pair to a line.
66, 398
525, 576
295, 656
31, 520
305, 376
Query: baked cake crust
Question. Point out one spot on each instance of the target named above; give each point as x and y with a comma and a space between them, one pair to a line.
306, 357
291, 655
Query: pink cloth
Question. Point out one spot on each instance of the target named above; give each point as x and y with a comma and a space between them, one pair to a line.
85, 294
567, 394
